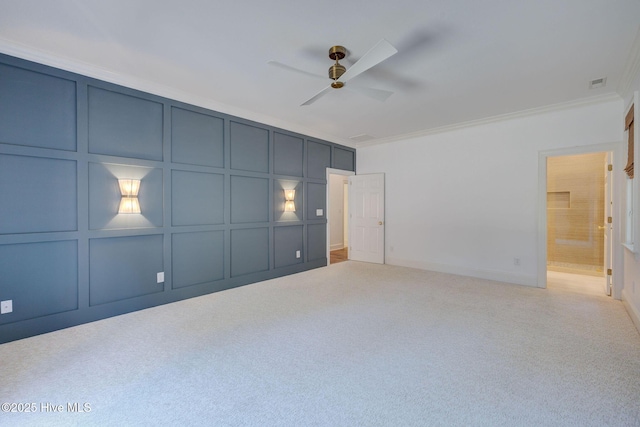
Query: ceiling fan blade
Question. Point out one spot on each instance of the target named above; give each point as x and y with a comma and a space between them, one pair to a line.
374, 56
317, 96
377, 94
295, 70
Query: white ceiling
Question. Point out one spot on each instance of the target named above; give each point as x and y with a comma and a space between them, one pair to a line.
458, 60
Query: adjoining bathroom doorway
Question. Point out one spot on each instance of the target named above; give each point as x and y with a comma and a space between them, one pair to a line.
578, 222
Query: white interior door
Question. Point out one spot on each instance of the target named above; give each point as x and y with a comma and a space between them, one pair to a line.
366, 218
608, 226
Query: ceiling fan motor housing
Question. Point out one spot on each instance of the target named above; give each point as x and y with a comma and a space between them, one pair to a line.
335, 71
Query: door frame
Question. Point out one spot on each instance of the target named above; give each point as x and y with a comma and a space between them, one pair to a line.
608, 228
331, 171
616, 149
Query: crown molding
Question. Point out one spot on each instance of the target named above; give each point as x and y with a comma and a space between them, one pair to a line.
18, 50
29, 53
494, 119
631, 69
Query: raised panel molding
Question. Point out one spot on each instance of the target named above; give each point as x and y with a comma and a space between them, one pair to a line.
288, 154
344, 159
249, 199
249, 148
198, 258
50, 288
37, 195
318, 159
249, 251
287, 243
104, 197
36, 109
316, 201
123, 125
197, 198
124, 267
211, 197
196, 138
316, 242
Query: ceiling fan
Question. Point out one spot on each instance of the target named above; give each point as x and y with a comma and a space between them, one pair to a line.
341, 75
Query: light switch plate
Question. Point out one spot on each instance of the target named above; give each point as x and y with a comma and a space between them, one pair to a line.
161, 277
297, 254
319, 212
6, 307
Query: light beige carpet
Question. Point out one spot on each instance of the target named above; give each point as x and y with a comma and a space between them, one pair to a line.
352, 344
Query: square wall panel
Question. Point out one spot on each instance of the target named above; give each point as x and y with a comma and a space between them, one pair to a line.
287, 243
317, 241
124, 267
104, 197
125, 126
316, 201
196, 138
249, 251
37, 195
249, 199
344, 159
287, 154
249, 148
197, 258
40, 278
37, 110
197, 198
318, 160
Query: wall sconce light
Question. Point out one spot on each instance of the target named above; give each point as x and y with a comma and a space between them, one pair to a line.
129, 190
289, 203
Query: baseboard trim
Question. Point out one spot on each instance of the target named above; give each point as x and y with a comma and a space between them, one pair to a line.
498, 276
633, 311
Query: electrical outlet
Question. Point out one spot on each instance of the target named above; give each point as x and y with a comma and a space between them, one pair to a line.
297, 254
319, 212
160, 277
6, 307
516, 261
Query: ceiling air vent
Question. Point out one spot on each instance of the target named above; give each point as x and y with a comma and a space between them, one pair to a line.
361, 138
598, 83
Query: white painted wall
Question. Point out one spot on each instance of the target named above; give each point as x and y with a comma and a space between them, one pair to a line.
631, 290
465, 201
345, 214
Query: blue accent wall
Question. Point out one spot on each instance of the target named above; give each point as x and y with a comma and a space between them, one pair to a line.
211, 196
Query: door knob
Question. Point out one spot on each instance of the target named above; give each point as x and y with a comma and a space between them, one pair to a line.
379, 222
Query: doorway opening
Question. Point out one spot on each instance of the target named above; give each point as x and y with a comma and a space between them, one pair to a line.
578, 222
337, 215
